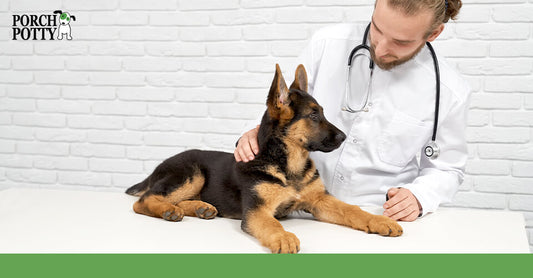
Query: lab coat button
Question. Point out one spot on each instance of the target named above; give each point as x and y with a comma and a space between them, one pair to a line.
355, 141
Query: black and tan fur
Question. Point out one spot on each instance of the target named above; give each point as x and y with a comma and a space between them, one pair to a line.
281, 179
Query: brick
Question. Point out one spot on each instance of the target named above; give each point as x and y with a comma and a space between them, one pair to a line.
37, 63
29, 6
5, 118
288, 49
478, 118
178, 79
42, 120
238, 80
15, 48
152, 152
116, 108
178, 109
149, 34
511, 49
217, 95
16, 77
61, 78
50, 149
33, 92
61, 163
118, 49
194, 34
236, 111
247, 17
64, 106
97, 150
488, 167
179, 19
152, 64
149, 5
513, 14
504, 185
16, 161
84, 178
509, 84
120, 19
32, 176
95, 5
59, 135
485, 66
115, 165
181, 49
275, 32
479, 200
221, 142
492, 31
185, 5
16, 132
309, 15
463, 48
70, 48
513, 119
505, 151
19, 105
475, 13
117, 79
188, 140
219, 64
225, 126
85, 92
522, 169
517, 202
145, 94
496, 101
497, 135
94, 64
115, 137
270, 3
7, 146
153, 123
238, 49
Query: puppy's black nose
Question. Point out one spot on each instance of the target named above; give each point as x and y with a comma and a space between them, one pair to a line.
340, 137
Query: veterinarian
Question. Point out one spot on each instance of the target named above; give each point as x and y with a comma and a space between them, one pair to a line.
383, 160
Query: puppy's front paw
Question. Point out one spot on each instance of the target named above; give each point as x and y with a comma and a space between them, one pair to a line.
384, 226
283, 242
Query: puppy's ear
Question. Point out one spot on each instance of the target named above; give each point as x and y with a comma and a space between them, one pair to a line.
278, 98
73, 17
300, 79
58, 12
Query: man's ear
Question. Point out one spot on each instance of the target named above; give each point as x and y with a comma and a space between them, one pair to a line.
435, 34
278, 96
300, 79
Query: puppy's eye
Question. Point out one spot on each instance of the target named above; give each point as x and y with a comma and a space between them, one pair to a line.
314, 116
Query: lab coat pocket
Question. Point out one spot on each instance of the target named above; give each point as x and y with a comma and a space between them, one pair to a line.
403, 138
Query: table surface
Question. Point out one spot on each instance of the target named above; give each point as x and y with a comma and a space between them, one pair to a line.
62, 221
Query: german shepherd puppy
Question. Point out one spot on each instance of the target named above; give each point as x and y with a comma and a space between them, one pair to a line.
281, 179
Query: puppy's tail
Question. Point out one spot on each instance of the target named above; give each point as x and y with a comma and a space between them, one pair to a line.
138, 189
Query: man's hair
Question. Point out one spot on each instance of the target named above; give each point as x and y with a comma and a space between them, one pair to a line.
443, 10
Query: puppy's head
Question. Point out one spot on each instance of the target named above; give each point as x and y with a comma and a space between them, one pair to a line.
298, 116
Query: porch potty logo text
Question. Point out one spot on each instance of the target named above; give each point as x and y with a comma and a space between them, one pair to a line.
42, 27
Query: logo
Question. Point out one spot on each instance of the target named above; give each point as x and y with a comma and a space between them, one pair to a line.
42, 27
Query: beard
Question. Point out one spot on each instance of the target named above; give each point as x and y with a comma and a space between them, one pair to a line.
394, 63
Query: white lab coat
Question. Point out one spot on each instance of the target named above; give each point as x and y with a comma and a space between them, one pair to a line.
384, 146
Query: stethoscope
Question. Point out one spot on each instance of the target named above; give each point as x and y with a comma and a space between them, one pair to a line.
431, 150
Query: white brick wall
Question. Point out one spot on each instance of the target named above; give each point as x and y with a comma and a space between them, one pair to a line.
145, 79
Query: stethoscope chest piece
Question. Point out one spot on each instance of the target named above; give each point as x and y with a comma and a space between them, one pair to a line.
432, 151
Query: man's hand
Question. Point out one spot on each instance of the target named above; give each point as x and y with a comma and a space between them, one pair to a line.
247, 147
402, 205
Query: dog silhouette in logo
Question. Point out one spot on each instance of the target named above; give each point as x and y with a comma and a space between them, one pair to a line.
64, 24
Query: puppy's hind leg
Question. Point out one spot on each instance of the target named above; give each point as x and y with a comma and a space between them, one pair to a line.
158, 206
